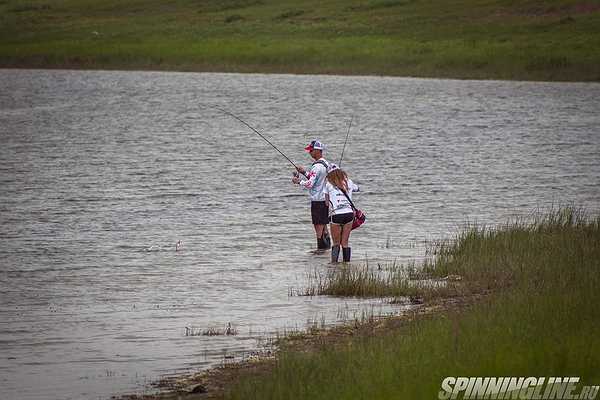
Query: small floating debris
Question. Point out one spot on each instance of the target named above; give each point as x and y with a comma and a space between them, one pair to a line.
228, 331
212, 332
178, 245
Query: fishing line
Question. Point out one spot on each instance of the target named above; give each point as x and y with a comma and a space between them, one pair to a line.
255, 131
346, 141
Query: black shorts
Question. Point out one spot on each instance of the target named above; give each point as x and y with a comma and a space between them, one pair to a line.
319, 213
342, 219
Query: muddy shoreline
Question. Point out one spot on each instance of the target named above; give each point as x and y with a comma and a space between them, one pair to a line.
215, 382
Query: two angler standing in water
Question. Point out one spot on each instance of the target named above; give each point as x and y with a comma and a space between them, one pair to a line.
330, 193
331, 197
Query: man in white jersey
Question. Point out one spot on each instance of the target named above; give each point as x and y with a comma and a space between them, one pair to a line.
315, 183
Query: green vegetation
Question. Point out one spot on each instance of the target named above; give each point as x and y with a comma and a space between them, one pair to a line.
392, 280
505, 39
541, 319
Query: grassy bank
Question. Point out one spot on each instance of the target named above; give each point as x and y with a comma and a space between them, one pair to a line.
531, 39
542, 319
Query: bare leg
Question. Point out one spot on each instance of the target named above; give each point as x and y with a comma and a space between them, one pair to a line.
319, 230
336, 234
323, 240
346, 229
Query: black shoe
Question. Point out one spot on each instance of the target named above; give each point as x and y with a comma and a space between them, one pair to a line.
346, 252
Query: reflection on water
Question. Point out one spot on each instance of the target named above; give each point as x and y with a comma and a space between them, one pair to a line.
102, 173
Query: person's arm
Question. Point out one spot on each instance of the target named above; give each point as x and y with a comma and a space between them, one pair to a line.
311, 177
353, 187
301, 170
297, 179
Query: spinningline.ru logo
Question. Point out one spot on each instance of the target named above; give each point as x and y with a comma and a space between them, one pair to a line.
524, 388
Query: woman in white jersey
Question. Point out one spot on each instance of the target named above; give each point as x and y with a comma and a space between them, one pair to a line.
338, 193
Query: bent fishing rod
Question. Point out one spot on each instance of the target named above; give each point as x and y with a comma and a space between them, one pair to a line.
346, 141
257, 132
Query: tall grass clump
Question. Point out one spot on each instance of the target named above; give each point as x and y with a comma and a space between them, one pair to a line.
541, 319
384, 281
524, 250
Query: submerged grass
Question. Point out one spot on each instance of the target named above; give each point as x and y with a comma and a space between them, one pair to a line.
532, 39
542, 319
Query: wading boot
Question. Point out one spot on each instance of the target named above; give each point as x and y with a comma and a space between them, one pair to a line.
321, 245
346, 252
335, 253
326, 239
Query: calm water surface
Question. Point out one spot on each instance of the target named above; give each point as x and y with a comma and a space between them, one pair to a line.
101, 173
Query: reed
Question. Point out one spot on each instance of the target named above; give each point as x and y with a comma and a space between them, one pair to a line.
390, 281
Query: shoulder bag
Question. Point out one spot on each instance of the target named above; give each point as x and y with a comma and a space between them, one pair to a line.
359, 216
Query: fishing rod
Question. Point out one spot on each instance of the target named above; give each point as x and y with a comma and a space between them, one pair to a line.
257, 132
346, 141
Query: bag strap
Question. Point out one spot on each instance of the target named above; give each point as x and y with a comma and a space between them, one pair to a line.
323, 163
348, 197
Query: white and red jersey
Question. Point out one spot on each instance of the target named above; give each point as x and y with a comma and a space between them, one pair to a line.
315, 180
338, 203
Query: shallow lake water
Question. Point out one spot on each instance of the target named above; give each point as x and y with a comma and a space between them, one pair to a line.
102, 173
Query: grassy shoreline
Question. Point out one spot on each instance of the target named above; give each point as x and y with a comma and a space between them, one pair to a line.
555, 40
526, 305
539, 319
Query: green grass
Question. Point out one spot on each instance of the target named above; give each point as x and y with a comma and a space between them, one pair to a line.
533, 39
541, 320
384, 280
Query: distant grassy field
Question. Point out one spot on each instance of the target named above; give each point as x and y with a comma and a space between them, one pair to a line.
500, 39
542, 319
